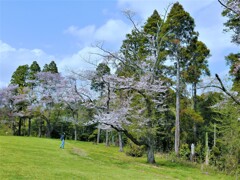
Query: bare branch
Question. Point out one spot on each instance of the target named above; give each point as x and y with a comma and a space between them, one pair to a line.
110, 55
225, 90
130, 14
227, 7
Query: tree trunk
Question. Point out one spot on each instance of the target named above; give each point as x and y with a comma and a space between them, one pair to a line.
29, 127
98, 135
40, 129
214, 138
49, 129
23, 129
75, 132
120, 142
113, 138
107, 139
108, 101
150, 154
194, 86
177, 123
206, 150
19, 126
13, 127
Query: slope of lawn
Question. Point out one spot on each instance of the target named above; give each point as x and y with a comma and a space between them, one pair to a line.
35, 158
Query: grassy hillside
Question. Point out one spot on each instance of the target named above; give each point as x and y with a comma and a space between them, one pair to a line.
35, 158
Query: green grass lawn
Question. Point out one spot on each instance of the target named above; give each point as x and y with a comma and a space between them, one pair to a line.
35, 158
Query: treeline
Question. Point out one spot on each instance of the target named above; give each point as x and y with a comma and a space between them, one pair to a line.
146, 103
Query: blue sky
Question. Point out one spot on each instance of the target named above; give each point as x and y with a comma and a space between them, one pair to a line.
65, 30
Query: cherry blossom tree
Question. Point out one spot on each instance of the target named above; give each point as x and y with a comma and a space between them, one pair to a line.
46, 90
137, 122
75, 99
15, 102
7, 101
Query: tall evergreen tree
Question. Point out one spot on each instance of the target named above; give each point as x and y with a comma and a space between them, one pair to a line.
97, 82
197, 54
134, 51
234, 61
143, 43
180, 28
19, 77
155, 43
52, 67
153, 23
45, 68
34, 68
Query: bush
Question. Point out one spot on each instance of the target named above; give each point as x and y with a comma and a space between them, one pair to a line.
83, 137
5, 130
93, 136
184, 151
199, 153
134, 150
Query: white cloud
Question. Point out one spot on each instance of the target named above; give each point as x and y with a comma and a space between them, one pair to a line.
85, 34
85, 58
5, 48
112, 32
11, 58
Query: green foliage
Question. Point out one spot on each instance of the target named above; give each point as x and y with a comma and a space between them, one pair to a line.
20, 76
34, 68
180, 24
136, 48
134, 150
232, 24
93, 136
210, 115
215, 151
134, 51
5, 130
199, 153
84, 137
144, 117
189, 114
197, 53
229, 139
214, 156
189, 117
184, 151
52, 67
97, 82
152, 24
233, 60
153, 27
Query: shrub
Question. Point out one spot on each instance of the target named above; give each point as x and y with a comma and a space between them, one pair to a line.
93, 137
199, 153
5, 130
134, 150
83, 137
184, 151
